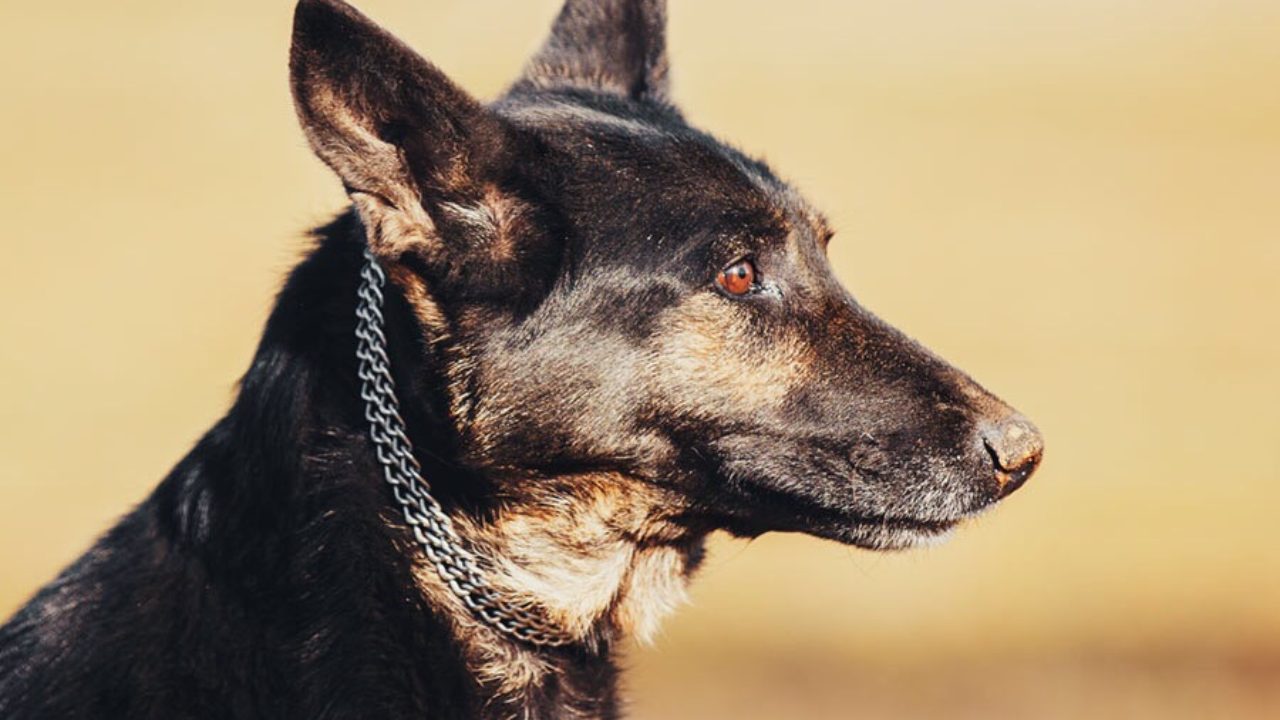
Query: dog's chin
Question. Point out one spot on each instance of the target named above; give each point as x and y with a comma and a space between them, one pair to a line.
889, 534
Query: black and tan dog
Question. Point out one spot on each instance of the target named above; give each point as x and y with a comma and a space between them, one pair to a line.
611, 335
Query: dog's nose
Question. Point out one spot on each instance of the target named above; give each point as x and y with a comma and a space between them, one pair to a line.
1016, 447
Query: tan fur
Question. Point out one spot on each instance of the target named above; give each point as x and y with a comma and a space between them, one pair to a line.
436, 328
498, 221
708, 348
425, 308
598, 555
511, 220
380, 185
655, 586
390, 230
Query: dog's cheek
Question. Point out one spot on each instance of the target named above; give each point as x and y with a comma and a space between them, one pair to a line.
715, 362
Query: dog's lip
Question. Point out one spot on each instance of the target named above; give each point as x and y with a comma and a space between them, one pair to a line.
915, 525
890, 533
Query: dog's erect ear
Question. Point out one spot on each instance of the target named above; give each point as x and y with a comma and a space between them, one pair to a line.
617, 46
406, 142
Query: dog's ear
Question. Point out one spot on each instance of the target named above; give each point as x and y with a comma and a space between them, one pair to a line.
407, 143
617, 46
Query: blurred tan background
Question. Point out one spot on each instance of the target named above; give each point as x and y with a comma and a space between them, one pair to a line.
1076, 201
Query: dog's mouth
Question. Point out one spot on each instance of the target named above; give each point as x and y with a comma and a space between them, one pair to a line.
881, 532
763, 506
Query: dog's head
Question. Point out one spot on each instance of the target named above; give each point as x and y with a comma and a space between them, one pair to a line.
614, 290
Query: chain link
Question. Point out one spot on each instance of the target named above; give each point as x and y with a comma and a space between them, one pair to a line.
431, 527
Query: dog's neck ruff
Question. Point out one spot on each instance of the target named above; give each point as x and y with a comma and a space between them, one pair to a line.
431, 527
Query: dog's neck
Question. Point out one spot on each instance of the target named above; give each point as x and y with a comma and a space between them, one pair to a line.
601, 556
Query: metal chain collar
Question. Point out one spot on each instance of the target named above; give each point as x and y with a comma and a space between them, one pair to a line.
431, 526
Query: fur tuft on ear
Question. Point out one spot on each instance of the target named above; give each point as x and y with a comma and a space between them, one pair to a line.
402, 137
616, 46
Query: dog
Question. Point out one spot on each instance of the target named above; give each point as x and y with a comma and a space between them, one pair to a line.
554, 342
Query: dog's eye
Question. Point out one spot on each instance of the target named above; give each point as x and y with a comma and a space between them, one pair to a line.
738, 278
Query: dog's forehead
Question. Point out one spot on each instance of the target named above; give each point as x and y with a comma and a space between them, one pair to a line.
647, 160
